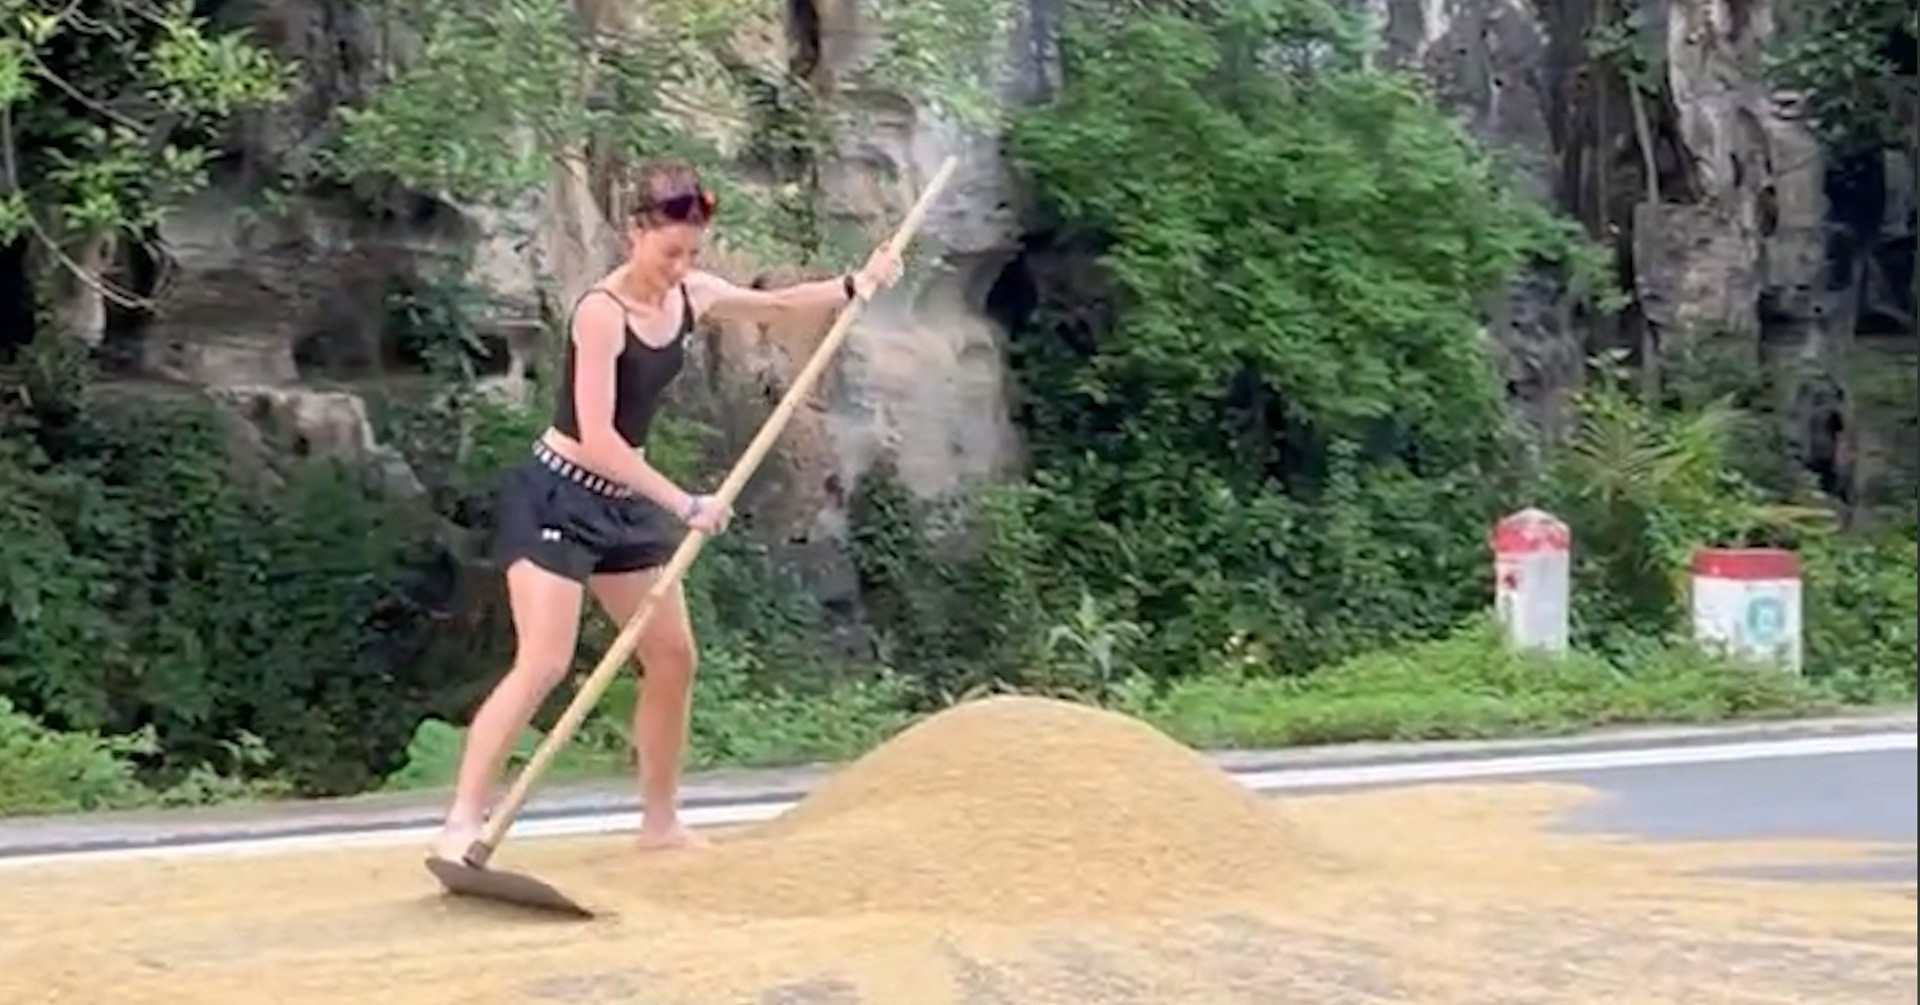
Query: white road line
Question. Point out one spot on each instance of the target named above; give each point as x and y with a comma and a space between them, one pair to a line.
1278, 780
1602, 760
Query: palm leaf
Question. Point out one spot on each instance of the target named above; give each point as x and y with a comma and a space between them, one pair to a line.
1615, 455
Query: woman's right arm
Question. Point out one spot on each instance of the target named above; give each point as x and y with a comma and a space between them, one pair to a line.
599, 334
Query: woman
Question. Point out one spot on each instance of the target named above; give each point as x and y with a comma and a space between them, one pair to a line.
587, 512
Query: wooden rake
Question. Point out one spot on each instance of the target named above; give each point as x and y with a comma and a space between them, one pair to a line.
471, 877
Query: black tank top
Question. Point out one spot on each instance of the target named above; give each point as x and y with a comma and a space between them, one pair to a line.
641, 375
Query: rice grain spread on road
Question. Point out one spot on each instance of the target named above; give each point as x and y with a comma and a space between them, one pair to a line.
1012, 851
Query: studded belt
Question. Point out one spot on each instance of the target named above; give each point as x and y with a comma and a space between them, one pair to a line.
572, 472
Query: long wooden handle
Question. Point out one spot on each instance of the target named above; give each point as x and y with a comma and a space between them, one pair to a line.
596, 683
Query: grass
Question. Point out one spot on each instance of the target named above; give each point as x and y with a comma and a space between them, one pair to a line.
1469, 687
1465, 686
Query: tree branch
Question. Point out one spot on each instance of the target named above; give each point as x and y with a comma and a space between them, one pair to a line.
99, 285
44, 72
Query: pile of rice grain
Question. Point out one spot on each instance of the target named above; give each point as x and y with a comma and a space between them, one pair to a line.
1008, 808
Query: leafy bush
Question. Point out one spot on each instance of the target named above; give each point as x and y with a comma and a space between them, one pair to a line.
45, 771
1860, 596
156, 581
1268, 440
952, 589
1286, 426
740, 719
1643, 488
1470, 685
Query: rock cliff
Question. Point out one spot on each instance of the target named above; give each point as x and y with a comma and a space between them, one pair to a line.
1733, 229
1737, 236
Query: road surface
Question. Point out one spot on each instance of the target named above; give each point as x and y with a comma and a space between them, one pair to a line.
1867, 795
1856, 784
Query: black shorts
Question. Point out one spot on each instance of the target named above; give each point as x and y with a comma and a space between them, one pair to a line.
576, 524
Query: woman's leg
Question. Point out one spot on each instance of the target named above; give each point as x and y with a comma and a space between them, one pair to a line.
546, 625
667, 657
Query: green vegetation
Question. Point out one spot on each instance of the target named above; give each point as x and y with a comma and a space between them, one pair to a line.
106, 115
1267, 438
1468, 685
1840, 58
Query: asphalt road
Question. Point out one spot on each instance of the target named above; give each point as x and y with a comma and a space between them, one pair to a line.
1785, 793
1869, 796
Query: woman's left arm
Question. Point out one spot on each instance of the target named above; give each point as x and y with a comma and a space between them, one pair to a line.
717, 298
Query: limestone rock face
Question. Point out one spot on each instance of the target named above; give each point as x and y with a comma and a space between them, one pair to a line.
290, 302
334, 424
1491, 62
286, 308
1735, 228
921, 379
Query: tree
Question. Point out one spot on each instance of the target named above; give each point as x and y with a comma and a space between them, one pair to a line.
1849, 65
109, 114
724, 83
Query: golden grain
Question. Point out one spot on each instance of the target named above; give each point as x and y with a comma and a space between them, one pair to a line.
1008, 852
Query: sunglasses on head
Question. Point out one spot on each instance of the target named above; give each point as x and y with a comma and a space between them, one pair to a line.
688, 207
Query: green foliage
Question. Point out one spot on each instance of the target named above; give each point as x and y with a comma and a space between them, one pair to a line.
1884, 384
44, 771
703, 80
456, 434
944, 51
1643, 488
739, 720
954, 591
1837, 57
107, 110
1288, 430
1860, 598
432, 757
153, 580
1268, 444
1092, 653
450, 122
1469, 685
688, 78
744, 716
1632, 41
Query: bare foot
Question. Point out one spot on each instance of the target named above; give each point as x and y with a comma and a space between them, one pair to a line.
452, 842
669, 837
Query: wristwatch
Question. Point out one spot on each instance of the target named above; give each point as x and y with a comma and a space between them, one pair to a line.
853, 290
693, 509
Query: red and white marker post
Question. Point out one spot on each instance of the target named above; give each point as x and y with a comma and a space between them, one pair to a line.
1533, 579
1746, 602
